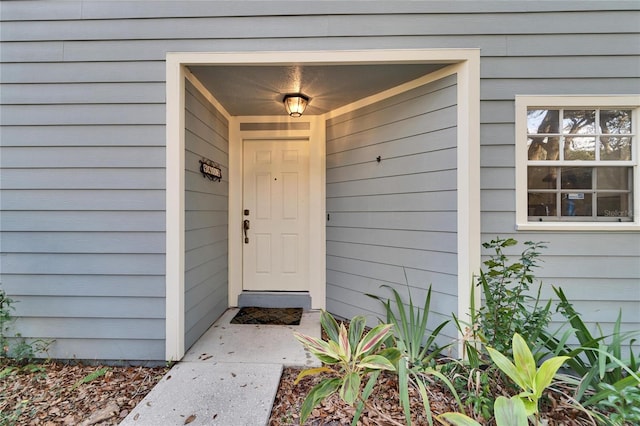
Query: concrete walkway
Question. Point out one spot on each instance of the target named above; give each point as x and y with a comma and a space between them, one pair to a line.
229, 377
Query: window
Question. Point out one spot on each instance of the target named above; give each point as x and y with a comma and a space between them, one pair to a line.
577, 161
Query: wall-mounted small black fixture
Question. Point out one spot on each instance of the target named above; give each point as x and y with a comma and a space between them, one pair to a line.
378, 159
210, 170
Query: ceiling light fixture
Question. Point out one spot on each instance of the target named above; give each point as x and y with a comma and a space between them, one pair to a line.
295, 104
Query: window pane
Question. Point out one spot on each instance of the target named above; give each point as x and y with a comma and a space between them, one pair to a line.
543, 121
542, 204
576, 177
579, 122
614, 205
579, 148
544, 148
542, 177
615, 121
615, 148
576, 204
613, 178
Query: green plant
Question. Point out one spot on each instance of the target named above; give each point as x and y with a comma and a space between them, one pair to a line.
353, 357
533, 381
623, 404
508, 307
6, 306
410, 328
11, 418
418, 354
471, 343
90, 377
508, 412
598, 360
22, 351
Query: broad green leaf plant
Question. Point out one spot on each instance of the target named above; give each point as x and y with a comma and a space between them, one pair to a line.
353, 358
523, 372
507, 411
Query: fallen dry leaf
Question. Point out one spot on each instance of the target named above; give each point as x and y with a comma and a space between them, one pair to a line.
47, 396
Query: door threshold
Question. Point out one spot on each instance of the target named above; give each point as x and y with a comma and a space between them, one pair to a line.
275, 299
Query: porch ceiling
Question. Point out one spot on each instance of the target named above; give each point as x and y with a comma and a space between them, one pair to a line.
259, 90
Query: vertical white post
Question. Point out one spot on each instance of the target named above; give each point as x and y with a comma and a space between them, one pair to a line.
469, 238
175, 176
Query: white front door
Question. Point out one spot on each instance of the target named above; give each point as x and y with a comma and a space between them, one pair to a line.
276, 206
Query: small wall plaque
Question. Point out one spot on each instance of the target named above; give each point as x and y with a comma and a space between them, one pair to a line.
210, 170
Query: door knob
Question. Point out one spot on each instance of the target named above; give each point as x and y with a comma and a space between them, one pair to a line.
246, 225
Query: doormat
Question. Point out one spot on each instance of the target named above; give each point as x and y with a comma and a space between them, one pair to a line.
268, 316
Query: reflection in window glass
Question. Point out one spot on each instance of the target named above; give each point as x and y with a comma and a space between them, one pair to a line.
544, 148
613, 178
542, 204
580, 148
542, 177
615, 148
579, 122
576, 204
615, 121
576, 177
543, 121
614, 205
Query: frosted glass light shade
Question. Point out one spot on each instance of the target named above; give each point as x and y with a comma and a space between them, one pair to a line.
295, 104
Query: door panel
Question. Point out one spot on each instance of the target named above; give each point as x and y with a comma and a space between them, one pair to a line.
276, 194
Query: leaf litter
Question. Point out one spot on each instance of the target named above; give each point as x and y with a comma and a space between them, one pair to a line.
72, 394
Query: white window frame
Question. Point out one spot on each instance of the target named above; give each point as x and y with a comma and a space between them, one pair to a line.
525, 102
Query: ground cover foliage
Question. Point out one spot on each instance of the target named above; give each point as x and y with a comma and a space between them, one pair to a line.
517, 371
55, 393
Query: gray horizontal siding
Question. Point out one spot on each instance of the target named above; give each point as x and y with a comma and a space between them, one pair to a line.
84, 285
375, 238
155, 50
78, 114
315, 26
83, 199
134, 9
83, 72
206, 216
55, 135
47, 48
77, 221
82, 93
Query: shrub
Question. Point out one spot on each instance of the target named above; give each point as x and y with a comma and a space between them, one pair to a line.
417, 361
355, 357
508, 307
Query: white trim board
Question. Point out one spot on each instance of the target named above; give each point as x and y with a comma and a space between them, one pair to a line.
465, 62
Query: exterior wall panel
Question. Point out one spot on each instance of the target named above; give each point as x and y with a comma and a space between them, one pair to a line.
372, 241
82, 75
206, 209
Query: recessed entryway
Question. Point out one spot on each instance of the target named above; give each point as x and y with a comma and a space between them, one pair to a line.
460, 63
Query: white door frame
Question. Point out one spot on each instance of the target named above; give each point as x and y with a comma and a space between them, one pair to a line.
317, 208
465, 63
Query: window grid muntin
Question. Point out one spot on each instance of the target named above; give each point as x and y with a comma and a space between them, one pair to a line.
595, 164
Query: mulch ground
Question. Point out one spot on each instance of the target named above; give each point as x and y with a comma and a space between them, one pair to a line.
61, 394
334, 412
557, 410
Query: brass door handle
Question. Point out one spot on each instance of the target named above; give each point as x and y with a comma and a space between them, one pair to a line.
246, 225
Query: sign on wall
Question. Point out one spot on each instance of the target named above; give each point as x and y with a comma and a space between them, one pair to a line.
210, 170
